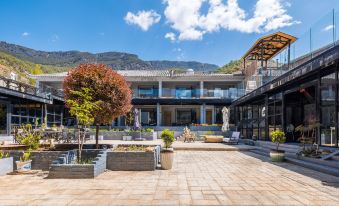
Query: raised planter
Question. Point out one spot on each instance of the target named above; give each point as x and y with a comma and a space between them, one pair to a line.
114, 135
41, 160
6, 165
23, 166
132, 160
66, 168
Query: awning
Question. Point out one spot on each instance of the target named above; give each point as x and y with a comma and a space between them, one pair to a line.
268, 46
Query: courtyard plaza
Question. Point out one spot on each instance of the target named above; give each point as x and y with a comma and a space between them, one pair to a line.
197, 178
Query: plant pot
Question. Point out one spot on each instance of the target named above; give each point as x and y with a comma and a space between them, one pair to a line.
277, 155
127, 138
166, 158
23, 166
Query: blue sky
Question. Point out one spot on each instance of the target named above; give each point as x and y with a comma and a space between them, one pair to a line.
210, 31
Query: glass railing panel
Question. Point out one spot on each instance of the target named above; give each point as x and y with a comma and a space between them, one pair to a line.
322, 33
152, 93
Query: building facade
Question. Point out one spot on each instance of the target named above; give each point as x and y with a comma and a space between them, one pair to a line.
303, 101
173, 98
21, 103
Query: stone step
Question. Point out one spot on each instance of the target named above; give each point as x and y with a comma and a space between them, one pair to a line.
317, 166
329, 156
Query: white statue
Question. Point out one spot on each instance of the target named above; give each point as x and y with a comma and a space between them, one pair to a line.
225, 118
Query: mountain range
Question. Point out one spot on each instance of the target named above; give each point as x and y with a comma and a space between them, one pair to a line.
56, 61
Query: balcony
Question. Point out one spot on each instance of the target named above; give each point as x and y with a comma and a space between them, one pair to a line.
183, 93
180, 93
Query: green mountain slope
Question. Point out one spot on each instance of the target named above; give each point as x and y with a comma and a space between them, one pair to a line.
116, 60
231, 67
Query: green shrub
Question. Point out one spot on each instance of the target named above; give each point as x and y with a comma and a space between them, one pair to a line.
3, 155
25, 156
148, 130
29, 137
168, 137
209, 133
278, 137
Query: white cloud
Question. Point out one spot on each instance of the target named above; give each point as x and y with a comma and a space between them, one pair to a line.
143, 19
171, 36
329, 27
185, 17
25, 34
54, 38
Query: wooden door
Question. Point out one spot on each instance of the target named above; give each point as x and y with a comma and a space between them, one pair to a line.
208, 116
167, 118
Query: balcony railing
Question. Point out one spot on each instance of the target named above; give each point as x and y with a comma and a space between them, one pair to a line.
231, 93
44, 92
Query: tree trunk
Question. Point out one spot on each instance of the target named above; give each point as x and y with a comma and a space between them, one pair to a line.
97, 136
79, 144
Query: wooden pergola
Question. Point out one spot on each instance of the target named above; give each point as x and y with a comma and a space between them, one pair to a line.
268, 46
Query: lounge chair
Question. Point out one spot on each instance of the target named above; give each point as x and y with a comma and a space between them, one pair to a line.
234, 139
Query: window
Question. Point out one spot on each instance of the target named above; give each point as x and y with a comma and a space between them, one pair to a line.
327, 108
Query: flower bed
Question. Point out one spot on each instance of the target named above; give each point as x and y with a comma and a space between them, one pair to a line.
133, 158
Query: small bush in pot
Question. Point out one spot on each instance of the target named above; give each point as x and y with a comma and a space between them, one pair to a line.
166, 156
278, 137
25, 162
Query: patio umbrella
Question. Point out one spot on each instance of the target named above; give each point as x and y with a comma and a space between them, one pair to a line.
136, 119
225, 118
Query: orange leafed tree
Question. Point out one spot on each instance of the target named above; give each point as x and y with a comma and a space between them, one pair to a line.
109, 88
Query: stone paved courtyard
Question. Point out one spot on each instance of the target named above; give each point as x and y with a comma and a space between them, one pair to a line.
197, 178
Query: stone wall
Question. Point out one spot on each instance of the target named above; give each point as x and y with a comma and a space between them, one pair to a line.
131, 161
114, 135
80, 171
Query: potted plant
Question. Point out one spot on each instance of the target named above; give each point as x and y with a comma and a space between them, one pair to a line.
128, 136
278, 137
6, 163
25, 162
166, 156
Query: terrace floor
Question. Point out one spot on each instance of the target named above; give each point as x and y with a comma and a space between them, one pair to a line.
197, 178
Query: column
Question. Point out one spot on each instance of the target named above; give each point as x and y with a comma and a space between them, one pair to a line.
213, 115
203, 113
119, 121
158, 114
160, 89
201, 89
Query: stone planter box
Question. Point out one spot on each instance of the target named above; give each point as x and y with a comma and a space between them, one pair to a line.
64, 167
6, 165
41, 160
113, 135
131, 161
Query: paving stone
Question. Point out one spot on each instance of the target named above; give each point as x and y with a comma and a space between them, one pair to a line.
197, 178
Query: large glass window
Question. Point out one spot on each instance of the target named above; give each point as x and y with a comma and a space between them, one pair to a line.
26, 114
148, 117
327, 124
3, 119
185, 117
